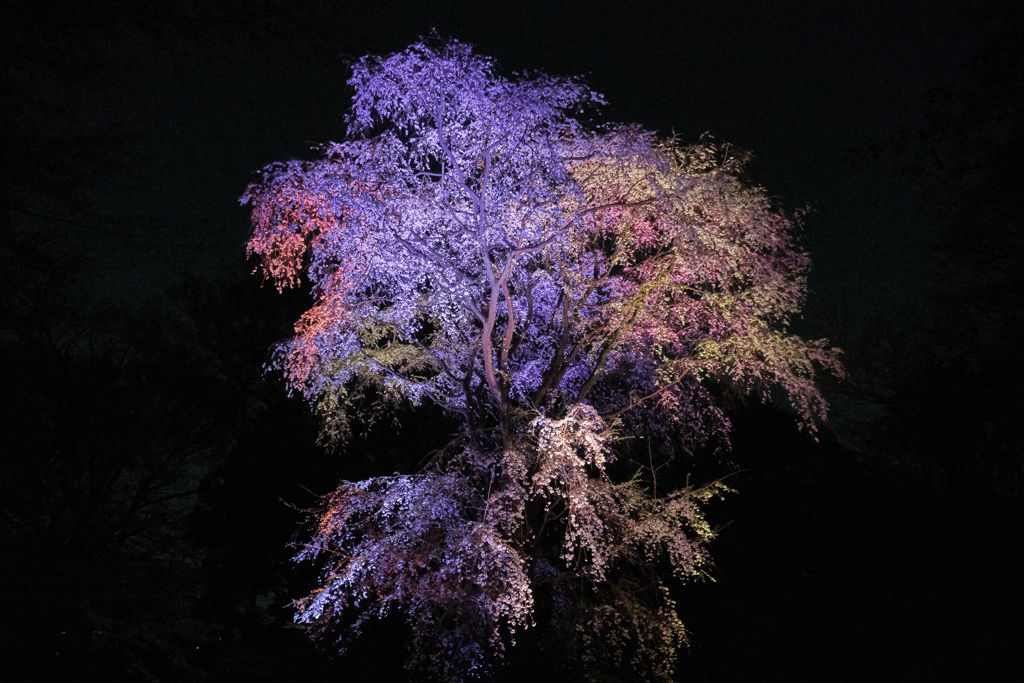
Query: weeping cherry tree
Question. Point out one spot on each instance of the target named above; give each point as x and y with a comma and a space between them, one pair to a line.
558, 288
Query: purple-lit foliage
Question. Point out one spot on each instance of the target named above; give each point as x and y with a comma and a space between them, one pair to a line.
473, 244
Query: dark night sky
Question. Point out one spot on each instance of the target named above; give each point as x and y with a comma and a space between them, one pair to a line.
797, 83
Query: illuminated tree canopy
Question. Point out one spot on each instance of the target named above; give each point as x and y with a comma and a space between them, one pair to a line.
561, 289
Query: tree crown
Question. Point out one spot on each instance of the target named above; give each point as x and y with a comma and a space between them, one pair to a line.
474, 244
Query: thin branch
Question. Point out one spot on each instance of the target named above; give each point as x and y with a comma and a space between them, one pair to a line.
633, 403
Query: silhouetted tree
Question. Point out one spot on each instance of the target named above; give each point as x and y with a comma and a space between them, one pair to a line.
944, 378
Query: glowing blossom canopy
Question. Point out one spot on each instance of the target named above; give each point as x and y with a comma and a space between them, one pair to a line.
471, 242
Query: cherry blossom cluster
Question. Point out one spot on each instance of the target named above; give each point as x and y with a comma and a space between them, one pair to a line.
559, 288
